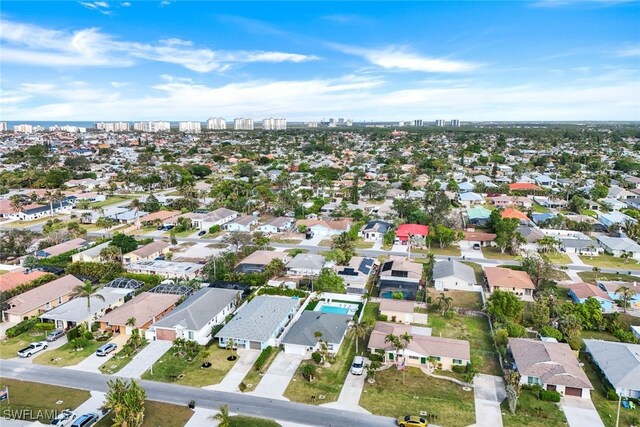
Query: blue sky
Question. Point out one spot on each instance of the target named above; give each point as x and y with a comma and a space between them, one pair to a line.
144, 60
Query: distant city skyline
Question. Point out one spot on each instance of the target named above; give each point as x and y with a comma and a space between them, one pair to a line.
547, 60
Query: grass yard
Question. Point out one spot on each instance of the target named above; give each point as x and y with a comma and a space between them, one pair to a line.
590, 277
462, 299
532, 412
108, 202
599, 335
185, 233
158, 414
450, 250
28, 399
67, 354
10, 346
192, 372
2, 272
361, 244
244, 421
558, 258
287, 241
388, 396
371, 311
477, 268
20, 224
118, 361
537, 208
491, 252
474, 329
254, 376
608, 261
606, 408
329, 380
325, 242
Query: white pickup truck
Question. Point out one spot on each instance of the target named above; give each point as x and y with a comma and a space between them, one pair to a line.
32, 349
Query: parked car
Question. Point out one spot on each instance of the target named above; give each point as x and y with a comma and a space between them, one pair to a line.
202, 232
412, 421
309, 235
32, 349
476, 246
106, 349
64, 418
357, 367
54, 335
160, 227
86, 420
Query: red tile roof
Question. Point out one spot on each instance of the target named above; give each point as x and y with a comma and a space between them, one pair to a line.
514, 213
405, 230
523, 186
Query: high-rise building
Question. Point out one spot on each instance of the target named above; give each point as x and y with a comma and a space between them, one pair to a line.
190, 127
455, 123
401, 123
274, 124
3, 127
152, 126
23, 128
243, 124
67, 128
441, 123
113, 126
312, 124
348, 122
216, 123
418, 122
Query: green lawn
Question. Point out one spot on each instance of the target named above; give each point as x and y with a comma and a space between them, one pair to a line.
108, 202
254, 376
606, 408
590, 277
118, 361
192, 372
325, 242
474, 329
186, 233
158, 414
491, 252
10, 346
462, 299
243, 421
608, 261
389, 396
558, 258
371, 311
287, 241
450, 250
537, 208
599, 335
361, 244
329, 381
532, 412
19, 224
67, 354
32, 398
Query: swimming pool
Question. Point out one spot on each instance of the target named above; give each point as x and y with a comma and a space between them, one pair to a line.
335, 310
336, 307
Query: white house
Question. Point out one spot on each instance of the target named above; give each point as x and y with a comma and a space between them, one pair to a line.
280, 224
618, 246
454, 275
301, 338
244, 223
204, 221
306, 265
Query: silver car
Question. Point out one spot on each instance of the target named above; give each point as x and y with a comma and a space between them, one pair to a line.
106, 349
64, 418
54, 335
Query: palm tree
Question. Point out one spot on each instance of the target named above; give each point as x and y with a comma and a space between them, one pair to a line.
16, 203
222, 417
87, 291
131, 322
126, 400
444, 302
360, 330
111, 253
626, 294
596, 270
395, 344
406, 338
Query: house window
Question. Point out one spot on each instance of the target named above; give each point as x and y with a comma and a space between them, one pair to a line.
457, 362
191, 335
413, 357
533, 380
59, 300
437, 358
47, 306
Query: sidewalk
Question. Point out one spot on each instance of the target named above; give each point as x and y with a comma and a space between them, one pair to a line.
488, 392
349, 398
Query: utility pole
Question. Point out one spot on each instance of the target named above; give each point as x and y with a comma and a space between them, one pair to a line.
618, 414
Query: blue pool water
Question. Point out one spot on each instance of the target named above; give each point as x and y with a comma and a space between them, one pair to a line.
334, 310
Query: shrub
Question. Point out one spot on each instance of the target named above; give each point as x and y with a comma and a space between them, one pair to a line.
316, 356
625, 336
515, 330
262, 358
548, 331
383, 317
549, 396
611, 394
22, 327
88, 335
80, 342
214, 229
45, 326
449, 314
242, 386
73, 333
375, 357
459, 369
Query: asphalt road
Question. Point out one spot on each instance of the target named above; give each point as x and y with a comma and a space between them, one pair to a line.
181, 395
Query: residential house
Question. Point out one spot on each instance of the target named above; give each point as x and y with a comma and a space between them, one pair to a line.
206, 220
454, 275
580, 292
35, 211
483, 239
478, 215
411, 232
524, 186
18, 277
61, 248
90, 255
619, 246
146, 308
397, 310
167, 269
324, 228
465, 187
620, 364
611, 219
470, 198
302, 338
400, 275
150, 251
260, 323
356, 274
374, 231
551, 365
422, 350
259, 260
514, 213
41, 299
306, 265
245, 223
507, 201
124, 215
280, 224
506, 279
160, 218
611, 287
193, 319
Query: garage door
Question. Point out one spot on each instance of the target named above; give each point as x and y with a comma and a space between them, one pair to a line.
572, 391
166, 334
255, 345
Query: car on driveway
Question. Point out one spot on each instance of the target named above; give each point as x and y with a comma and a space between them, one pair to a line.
32, 349
202, 232
54, 335
86, 420
106, 349
357, 367
412, 421
64, 418
476, 246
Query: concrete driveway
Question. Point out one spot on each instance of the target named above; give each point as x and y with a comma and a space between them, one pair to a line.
467, 251
277, 378
314, 241
237, 373
145, 359
580, 412
93, 404
93, 362
488, 392
350, 394
50, 346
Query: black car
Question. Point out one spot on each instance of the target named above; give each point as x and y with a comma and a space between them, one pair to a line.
202, 232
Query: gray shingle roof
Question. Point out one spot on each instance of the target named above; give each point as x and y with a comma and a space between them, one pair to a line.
259, 320
620, 362
332, 327
311, 261
454, 268
198, 309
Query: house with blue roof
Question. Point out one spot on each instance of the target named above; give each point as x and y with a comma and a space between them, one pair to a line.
470, 198
465, 187
478, 215
611, 288
541, 218
581, 292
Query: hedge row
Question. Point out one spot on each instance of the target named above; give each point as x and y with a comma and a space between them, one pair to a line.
262, 358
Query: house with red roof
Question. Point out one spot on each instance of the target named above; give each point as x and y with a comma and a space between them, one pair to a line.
516, 214
404, 232
524, 186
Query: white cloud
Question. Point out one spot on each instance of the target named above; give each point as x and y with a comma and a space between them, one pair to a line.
629, 52
99, 6
343, 19
400, 58
37, 46
125, 4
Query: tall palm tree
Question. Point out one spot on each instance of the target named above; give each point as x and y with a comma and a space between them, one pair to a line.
395, 344
360, 330
222, 417
406, 338
111, 253
87, 291
626, 294
126, 400
444, 302
16, 203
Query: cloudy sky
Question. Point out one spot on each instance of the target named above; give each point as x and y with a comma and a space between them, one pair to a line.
144, 60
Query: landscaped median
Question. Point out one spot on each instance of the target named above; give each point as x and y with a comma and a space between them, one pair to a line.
133, 346
390, 395
183, 364
260, 366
